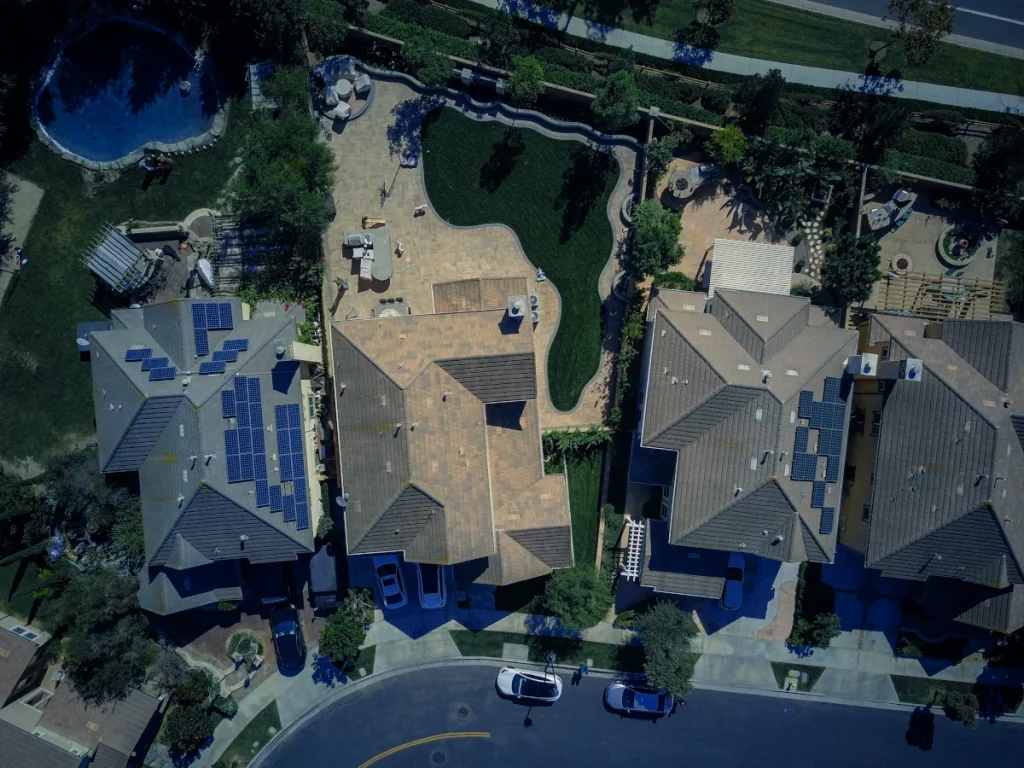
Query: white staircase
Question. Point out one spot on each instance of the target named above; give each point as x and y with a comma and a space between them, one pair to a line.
633, 558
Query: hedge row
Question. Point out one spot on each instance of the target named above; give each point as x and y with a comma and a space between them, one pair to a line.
797, 116
581, 81
563, 58
948, 149
676, 90
677, 108
442, 43
411, 12
927, 166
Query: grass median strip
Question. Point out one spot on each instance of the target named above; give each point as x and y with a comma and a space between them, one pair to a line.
252, 739
782, 670
567, 650
926, 690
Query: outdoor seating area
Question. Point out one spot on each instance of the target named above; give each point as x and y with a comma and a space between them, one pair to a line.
894, 212
340, 86
372, 249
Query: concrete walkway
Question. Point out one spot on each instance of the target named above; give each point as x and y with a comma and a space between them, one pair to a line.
743, 65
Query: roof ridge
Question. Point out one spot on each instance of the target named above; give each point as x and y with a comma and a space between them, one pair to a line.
724, 388
931, 532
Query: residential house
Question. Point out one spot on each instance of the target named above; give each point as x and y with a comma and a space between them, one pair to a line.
211, 407
940, 473
744, 412
438, 432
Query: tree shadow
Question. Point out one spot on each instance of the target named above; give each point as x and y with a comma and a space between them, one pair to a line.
583, 183
326, 672
504, 157
404, 134
563, 647
538, 14
921, 730
697, 35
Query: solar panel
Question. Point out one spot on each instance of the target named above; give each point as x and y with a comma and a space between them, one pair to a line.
275, 498
134, 355
806, 398
294, 416
282, 441
281, 416
162, 374
239, 345
295, 440
198, 316
800, 443
298, 466
234, 469
155, 362
243, 414
226, 356
254, 389
225, 316
244, 441
256, 415
832, 470
231, 441
259, 465
208, 368
258, 445
213, 316
300, 493
247, 466
833, 415
262, 494
805, 466
285, 461
816, 415
818, 494
289, 508
227, 404
241, 389
202, 342
301, 517
830, 442
833, 389
828, 515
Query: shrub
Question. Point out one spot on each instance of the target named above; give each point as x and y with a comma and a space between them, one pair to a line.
226, 706
345, 630
716, 100
326, 26
563, 58
728, 146
679, 109
615, 417
908, 649
574, 442
197, 690
948, 149
325, 527
227, 605
188, 728
805, 290
926, 166
567, 78
670, 88
676, 280
440, 42
797, 117
411, 12
578, 597
961, 708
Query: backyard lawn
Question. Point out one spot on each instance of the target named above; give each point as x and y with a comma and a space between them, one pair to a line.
584, 479
252, 739
554, 195
46, 397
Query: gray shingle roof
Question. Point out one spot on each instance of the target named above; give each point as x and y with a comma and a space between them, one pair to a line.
20, 749
681, 570
16, 654
734, 428
118, 724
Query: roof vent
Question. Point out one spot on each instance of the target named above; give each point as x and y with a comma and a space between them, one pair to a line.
279, 350
517, 307
180, 499
765, 375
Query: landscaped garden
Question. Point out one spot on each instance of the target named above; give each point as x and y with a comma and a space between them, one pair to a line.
554, 195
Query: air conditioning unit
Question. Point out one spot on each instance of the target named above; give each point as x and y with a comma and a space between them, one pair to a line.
862, 365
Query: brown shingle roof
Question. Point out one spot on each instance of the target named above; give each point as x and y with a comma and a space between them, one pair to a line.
16, 653
118, 724
476, 293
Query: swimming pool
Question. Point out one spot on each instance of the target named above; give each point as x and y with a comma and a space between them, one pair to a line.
117, 88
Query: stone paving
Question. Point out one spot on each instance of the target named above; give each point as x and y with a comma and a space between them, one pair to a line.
371, 183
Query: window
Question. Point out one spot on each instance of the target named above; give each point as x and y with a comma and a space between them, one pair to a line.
885, 352
872, 479
866, 514
23, 632
881, 385
876, 423
38, 700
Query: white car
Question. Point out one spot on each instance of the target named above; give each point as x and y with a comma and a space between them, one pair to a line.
433, 593
389, 576
637, 701
521, 684
732, 596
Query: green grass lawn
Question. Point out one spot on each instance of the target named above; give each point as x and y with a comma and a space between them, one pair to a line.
764, 30
554, 195
923, 690
584, 479
252, 739
782, 668
365, 661
46, 396
624, 658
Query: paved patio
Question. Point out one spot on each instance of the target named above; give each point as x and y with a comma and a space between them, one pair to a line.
370, 183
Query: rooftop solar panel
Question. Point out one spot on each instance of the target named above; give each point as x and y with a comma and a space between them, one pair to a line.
239, 345
294, 416
254, 389
800, 443
300, 492
213, 316
275, 498
231, 441
295, 440
282, 442
832, 470
208, 368
262, 494
301, 517
806, 398
259, 465
155, 362
256, 415
227, 404
818, 494
830, 442
198, 316
828, 515
298, 466
247, 466
816, 417
833, 415
225, 316
281, 416
162, 374
243, 414
244, 441
289, 508
135, 355
285, 461
226, 356
833, 389
805, 466
241, 389
258, 444
234, 469
202, 342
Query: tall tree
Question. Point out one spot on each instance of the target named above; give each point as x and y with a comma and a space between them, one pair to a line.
873, 123
432, 68
660, 153
326, 25
526, 82
667, 633
759, 98
850, 269
727, 146
345, 629
617, 100
80, 493
578, 596
7, 191
714, 11
920, 26
999, 169
655, 239
498, 39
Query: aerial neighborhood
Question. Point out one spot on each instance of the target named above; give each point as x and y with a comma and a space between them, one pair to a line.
419, 382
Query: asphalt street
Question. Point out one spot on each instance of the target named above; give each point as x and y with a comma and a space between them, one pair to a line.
390, 725
998, 21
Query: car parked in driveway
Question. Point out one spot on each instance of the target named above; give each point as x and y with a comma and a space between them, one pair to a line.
635, 700
286, 631
530, 686
732, 595
433, 592
389, 578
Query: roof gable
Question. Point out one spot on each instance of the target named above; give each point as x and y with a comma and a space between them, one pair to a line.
497, 378
761, 522
762, 323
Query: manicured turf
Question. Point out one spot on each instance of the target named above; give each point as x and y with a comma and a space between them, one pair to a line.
761, 29
46, 395
252, 739
782, 668
924, 690
625, 658
554, 195
584, 478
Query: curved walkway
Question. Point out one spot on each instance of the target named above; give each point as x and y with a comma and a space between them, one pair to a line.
743, 65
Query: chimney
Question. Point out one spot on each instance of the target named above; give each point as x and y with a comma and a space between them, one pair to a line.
901, 370
518, 306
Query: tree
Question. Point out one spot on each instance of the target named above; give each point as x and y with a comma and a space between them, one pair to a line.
660, 153
169, 670
1010, 269
276, 26
655, 239
129, 536
80, 493
851, 269
667, 633
527, 81
498, 39
961, 707
345, 629
578, 596
759, 98
432, 68
617, 100
354, 10
327, 26
188, 727
920, 27
7, 191
727, 146
824, 629
714, 11
196, 689
874, 123
999, 170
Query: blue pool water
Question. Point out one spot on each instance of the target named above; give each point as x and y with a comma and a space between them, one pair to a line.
116, 88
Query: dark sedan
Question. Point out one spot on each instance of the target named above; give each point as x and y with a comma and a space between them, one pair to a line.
289, 644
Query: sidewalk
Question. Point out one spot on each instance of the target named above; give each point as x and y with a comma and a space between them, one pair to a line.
742, 65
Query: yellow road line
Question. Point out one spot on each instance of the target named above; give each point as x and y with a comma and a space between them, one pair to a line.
427, 740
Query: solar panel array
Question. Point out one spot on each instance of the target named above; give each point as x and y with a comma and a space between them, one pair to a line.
818, 494
244, 445
288, 423
214, 367
135, 355
828, 417
210, 316
828, 517
155, 362
162, 374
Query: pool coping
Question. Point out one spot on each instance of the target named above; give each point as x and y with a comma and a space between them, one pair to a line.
184, 147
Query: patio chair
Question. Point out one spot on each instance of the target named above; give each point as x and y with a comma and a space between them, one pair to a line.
330, 97
362, 84
889, 209
901, 197
874, 215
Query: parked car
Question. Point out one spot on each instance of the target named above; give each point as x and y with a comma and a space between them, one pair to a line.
732, 595
389, 578
633, 700
286, 631
532, 686
433, 592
